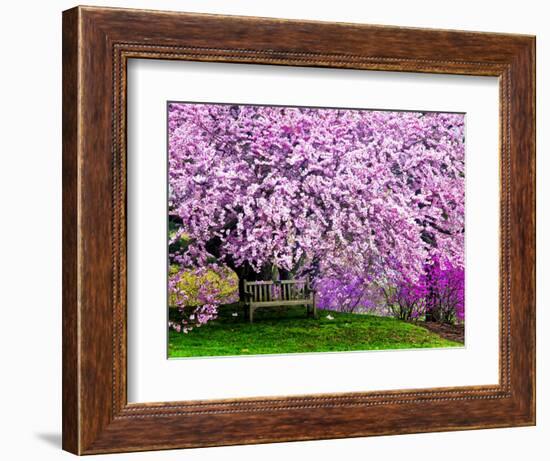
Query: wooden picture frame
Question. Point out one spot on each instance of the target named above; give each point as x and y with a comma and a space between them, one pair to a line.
97, 43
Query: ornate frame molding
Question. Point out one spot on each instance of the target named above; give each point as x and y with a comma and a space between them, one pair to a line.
97, 43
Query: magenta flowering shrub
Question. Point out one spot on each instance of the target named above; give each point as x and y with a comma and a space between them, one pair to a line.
437, 295
444, 285
406, 298
352, 199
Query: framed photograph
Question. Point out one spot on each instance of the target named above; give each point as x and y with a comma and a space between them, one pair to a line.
282, 230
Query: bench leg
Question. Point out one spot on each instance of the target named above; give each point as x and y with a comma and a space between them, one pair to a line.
251, 314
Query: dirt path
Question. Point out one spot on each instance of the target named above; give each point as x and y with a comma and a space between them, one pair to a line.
450, 332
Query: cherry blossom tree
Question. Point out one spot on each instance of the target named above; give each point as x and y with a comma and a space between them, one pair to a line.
332, 194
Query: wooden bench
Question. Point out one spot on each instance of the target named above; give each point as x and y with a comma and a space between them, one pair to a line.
285, 293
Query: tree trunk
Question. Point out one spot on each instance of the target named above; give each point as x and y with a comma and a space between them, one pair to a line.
430, 299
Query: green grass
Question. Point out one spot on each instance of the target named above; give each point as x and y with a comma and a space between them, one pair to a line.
283, 331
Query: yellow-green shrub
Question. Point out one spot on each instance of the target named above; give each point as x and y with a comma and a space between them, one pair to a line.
223, 280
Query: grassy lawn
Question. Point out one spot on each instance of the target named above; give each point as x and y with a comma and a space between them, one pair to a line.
282, 331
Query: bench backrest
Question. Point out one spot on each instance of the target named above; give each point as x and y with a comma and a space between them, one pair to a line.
285, 290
